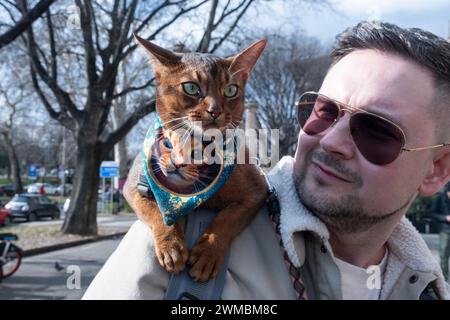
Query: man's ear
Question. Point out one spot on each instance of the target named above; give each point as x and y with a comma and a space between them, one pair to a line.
161, 55
439, 174
244, 62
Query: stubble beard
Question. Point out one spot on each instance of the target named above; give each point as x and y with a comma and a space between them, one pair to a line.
345, 215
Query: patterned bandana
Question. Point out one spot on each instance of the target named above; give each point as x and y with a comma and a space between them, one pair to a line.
177, 196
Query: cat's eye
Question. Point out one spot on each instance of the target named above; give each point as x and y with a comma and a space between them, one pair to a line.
191, 88
230, 91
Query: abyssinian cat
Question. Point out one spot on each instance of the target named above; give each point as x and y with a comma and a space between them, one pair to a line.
196, 87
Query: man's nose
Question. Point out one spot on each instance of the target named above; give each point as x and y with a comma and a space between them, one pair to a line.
214, 110
338, 141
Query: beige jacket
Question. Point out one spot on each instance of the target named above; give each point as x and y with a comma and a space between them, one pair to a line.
256, 268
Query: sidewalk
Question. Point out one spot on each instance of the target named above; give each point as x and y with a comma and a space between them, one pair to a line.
44, 236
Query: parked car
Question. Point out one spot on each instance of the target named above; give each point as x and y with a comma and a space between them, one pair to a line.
49, 188
32, 207
7, 190
5, 216
67, 189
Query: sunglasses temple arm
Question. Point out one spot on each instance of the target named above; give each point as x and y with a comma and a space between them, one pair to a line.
429, 147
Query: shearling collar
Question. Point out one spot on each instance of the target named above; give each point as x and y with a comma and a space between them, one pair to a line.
405, 244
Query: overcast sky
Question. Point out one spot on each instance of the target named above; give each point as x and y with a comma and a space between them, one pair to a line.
325, 23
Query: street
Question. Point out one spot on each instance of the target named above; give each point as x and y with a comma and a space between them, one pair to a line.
39, 278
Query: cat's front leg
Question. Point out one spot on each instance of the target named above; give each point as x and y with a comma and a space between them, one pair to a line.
207, 255
170, 244
171, 248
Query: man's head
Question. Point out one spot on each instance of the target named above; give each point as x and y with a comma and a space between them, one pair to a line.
404, 76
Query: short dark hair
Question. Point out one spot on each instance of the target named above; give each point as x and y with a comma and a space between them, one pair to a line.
422, 47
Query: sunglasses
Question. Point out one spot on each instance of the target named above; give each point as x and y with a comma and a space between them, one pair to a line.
379, 140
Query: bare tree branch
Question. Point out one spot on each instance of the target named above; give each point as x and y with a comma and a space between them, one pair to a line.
11, 16
231, 28
25, 22
131, 89
62, 96
86, 22
59, 116
150, 16
165, 25
206, 39
226, 13
128, 124
54, 63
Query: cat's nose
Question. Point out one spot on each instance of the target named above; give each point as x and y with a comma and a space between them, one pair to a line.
214, 110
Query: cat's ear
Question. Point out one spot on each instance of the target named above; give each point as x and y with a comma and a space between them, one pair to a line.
163, 56
244, 62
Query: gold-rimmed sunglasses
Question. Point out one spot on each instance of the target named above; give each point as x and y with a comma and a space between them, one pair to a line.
378, 139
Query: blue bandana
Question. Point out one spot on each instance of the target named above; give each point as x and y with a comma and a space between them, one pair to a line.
175, 195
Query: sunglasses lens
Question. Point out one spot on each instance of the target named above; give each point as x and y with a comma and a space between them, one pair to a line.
379, 141
316, 113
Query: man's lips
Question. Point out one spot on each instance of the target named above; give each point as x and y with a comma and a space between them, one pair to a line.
330, 172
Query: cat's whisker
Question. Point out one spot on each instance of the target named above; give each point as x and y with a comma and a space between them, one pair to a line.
187, 134
174, 119
202, 184
169, 112
175, 127
202, 175
188, 123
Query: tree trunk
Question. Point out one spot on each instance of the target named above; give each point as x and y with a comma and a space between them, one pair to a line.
8, 171
81, 217
120, 149
121, 155
13, 162
118, 118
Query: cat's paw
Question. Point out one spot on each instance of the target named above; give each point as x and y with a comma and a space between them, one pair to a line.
206, 257
189, 172
171, 249
166, 164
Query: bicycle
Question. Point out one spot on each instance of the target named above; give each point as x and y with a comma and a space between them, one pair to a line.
10, 255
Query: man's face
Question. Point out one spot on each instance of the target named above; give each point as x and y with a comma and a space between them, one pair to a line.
332, 178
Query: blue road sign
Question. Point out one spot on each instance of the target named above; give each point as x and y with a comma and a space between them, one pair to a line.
108, 172
32, 172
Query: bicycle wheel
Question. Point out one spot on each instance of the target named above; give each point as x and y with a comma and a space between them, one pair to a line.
12, 261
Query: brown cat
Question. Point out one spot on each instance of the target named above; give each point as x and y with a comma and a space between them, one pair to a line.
200, 87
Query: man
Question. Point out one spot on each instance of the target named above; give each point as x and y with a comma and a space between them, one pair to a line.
344, 196
440, 211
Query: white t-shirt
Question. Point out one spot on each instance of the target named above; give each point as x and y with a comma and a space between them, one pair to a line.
360, 283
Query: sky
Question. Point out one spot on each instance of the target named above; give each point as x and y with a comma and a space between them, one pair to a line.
325, 23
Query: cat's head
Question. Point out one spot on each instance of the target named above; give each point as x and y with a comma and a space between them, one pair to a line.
199, 87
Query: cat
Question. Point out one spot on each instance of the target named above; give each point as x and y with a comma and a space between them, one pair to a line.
198, 87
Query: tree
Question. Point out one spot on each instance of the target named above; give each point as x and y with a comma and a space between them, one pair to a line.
105, 40
7, 139
293, 65
25, 22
